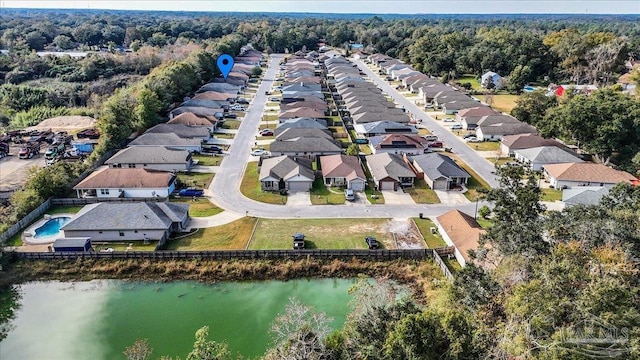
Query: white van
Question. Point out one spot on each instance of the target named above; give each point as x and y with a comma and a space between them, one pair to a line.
430, 137
349, 194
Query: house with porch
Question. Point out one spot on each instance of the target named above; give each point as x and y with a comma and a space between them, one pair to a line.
160, 158
440, 172
286, 173
390, 171
109, 182
344, 171
569, 175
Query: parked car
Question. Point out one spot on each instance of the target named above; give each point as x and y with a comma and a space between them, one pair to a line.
242, 101
266, 132
298, 241
473, 139
372, 243
212, 150
274, 99
362, 141
230, 116
428, 106
456, 127
448, 119
191, 192
349, 194
259, 152
436, 144
469, 135
237, 107
430, 137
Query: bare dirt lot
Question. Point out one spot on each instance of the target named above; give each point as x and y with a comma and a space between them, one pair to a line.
406, 234
13, 170
65, 123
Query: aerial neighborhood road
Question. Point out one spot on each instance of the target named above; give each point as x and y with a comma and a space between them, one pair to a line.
225, 187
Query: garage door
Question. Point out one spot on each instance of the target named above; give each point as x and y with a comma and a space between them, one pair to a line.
440, 184
356, 185
387, 185
299, 185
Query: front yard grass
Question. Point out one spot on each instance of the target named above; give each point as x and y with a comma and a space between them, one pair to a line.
321, 233
365, 149
230, 124
423, 131
252, 189
500, 160
224, 136
323, 195
421, 193
472, 79
202, 207
504, 103
433, 240
270, 117
208, 160
374, 196
551, 195
232, 236
193, 179
485, 146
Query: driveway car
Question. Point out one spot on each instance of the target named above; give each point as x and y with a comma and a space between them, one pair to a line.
274, 99
237, 107
230, 116
456, 127
436, 144
372, 243
212, 150
473, 140
242, 101
266, 132
191, 192
259, 152
349, 195
298, 241
469, 135
448, 119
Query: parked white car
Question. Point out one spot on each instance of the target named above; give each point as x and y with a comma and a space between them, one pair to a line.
448, 119
237, 107
259, 152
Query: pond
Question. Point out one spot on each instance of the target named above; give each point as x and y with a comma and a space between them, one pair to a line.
99, 319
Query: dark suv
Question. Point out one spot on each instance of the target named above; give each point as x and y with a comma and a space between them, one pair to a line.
372, 243
298, 241
212, 150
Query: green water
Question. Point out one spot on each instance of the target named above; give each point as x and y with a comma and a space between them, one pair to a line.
99, 319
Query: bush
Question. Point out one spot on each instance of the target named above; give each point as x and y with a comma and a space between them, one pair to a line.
484, 212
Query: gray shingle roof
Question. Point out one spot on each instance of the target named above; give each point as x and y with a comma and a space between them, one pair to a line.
548, 155
182, 130
149, 155
384, 127
388, 165
127, 216
584, 196
292, 133
170, 139
436, 166
284, 167
305, 144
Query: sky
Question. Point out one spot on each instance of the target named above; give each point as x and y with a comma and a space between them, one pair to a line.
350, 6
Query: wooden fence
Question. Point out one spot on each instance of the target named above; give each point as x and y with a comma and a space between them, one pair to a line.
437, 253
381, 255
17, 227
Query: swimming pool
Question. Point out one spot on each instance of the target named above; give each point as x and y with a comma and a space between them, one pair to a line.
51, 227
529, 88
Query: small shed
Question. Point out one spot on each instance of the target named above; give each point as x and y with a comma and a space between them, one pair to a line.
79, 244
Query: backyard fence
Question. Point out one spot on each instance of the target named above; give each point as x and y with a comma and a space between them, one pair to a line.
85, 201
437, 257
381, 255
17, 227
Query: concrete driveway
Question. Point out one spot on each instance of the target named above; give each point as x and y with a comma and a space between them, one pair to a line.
300, 198
397, 197
360, 200
451, 197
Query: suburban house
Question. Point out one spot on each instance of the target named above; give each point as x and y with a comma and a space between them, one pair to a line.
109, 221
182, 130
384, 127
469, 117
461, 231
304, 123
214, 95
343, 170
535, 158
492, 77
210, 104
301, 112
452, 107
491, 130
293, 133
309, 147
440, 172
584, 195
191, 119
388, 115
286, 173
509, 144
398, 144
153, 158
169, 140
127, 183
390, 171
197, 110
569, 175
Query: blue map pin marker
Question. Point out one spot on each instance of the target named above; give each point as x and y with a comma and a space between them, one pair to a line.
225, 64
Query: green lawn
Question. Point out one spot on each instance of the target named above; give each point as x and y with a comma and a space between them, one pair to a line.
270, 117
433, 240
323, 195
202, 207
504, 103
60, 209
231, 124
232, 236
224, 136
208, 160
551, 195
485, 223
422, 132
365, 149
271, 104
421, 193
452, 264
321, 233
472, 79
252, 189
199, 180
374, 196
485, 146
500, 161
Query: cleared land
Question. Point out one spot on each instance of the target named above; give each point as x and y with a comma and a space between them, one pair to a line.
504, 103
232, 236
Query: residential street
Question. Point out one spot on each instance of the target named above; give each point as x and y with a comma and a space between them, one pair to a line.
225, 187
479, 164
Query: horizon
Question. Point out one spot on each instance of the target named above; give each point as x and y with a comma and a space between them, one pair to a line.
373, 7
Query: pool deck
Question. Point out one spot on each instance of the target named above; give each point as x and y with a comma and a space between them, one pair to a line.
28, 235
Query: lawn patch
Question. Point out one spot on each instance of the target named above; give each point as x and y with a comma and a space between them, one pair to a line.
475, 182
193, 179
504, 103
551, 195
230, 124
365, 149
321, 233
485, 146
471, 79
421, 193
252, 188
202, 207
323, 195
61, 209
208, 160
232, 236
433, 240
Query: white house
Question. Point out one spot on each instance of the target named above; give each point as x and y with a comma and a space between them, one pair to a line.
535, 158
495, 79
127, 183
568, 175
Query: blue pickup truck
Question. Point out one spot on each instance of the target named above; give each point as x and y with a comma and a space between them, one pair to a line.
191, 192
